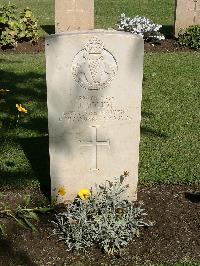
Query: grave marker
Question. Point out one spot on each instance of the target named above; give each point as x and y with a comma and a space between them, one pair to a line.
74, 15
94, 87
187, 14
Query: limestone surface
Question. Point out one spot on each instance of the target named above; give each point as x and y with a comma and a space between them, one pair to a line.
94, 86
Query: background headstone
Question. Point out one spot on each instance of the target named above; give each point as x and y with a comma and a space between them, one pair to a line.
94, 85
187, 14
74, 15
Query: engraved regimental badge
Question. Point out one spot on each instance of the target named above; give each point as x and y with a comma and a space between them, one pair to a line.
94, 67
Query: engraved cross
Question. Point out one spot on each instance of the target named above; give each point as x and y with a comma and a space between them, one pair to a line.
94, 144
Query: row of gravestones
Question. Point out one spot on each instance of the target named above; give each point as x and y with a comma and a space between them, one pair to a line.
79, 14
94, 86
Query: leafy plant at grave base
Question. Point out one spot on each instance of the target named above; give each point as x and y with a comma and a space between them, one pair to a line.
191, 37
15, 29
105, 219
141, 26
23, 215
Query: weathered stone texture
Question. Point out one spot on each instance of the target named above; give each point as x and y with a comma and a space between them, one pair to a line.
187, 14
74, 15
94, 82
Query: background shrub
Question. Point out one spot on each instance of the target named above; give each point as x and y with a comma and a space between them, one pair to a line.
15, 29
191, 37
9, 25
29, 30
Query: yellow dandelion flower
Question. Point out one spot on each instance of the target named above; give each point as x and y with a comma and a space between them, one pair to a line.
84, 193
20, 108
61, 191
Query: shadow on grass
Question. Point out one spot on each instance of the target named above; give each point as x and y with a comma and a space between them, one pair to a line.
38, 124
16, 83
147, 114
151, 132
145, 130
7, 252
50, 29
37, 152
26, 88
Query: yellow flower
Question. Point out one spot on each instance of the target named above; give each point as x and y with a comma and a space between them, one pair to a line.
61, 191
20, 108
84, 193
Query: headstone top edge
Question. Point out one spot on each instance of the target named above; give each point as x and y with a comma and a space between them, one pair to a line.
99, 31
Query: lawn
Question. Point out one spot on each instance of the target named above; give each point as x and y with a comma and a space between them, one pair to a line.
169, 130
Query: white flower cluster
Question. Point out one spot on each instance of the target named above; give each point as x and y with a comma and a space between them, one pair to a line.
142, 26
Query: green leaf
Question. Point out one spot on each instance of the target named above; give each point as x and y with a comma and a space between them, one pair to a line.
27, 200
30, 225
19, 221
2, 231
44, 210
32, 215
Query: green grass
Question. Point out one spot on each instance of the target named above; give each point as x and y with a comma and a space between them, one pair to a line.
169, 149
170, 125
24, 76
107, 12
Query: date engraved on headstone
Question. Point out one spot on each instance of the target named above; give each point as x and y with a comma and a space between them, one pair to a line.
94, 67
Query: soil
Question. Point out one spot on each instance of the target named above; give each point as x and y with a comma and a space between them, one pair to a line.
175, 235
164, 46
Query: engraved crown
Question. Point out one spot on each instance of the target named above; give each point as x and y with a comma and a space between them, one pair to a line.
94, 46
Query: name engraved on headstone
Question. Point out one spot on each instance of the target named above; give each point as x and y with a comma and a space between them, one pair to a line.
94, 67
95, 108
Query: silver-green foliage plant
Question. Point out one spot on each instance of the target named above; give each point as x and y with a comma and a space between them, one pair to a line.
14, 28
141, 26
106, 219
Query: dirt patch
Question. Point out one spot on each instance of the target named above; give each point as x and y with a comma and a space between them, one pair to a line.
26, 48
174, 237
165, 46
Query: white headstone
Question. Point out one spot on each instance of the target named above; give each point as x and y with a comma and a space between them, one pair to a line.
74, 15
187, 14
94, 82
